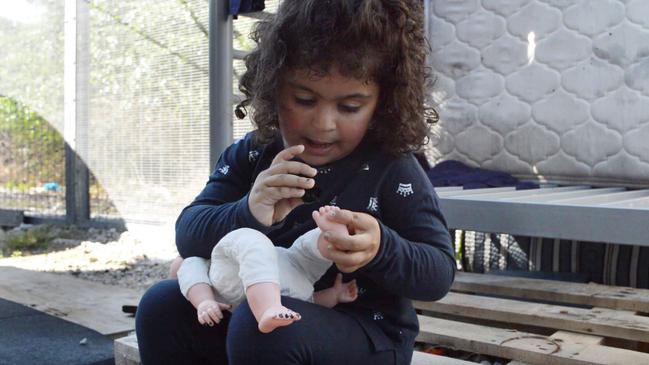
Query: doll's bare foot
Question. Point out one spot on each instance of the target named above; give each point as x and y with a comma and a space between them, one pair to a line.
278, 316
323, 219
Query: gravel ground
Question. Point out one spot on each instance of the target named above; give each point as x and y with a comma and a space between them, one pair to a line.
134, 259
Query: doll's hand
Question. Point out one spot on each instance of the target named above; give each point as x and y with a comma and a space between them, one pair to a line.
347, 292
356, 248
210, 312
278, 189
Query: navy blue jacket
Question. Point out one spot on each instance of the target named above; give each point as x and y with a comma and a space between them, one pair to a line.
415, 258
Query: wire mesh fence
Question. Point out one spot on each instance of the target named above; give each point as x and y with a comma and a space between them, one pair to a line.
140, 77
31, 116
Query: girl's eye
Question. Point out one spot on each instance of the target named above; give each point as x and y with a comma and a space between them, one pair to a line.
349, 108
305, 102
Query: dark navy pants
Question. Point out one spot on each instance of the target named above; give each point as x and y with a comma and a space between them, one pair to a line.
168, 332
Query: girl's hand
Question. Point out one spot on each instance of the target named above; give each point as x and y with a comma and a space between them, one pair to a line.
346, 292
210, 312
279, 189
352, 250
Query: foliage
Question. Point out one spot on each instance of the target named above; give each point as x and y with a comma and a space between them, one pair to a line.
18, 242
32, 149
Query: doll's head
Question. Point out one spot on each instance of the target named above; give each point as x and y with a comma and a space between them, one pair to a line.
375, 42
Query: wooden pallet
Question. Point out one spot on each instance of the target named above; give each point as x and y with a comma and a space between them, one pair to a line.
584, 324
126, 353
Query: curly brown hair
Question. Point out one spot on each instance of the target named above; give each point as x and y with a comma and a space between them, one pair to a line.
378, 40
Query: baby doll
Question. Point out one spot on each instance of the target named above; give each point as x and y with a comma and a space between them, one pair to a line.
246, 264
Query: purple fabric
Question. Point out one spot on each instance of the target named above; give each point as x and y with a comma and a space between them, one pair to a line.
245, 6
455, 173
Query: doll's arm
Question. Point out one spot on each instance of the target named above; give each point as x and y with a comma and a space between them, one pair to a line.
339, 293
209, 311
199, 293
194, 285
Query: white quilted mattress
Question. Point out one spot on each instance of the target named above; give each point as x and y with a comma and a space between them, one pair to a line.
555, 90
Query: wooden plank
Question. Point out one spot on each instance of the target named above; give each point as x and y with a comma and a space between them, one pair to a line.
596, 295
580, 338
522, 346
11, 218
599, 321
127, 353
422, 358
126, 350
93, 305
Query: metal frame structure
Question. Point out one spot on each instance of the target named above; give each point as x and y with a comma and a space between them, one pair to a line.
76, 75
583, 213
220, 78
221, 56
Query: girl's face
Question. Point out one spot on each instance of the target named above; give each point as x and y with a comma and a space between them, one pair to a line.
328, 114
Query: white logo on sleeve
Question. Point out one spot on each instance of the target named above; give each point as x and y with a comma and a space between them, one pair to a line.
252, 156
224, 169
365, 167
334, 201
373, 205
405, 190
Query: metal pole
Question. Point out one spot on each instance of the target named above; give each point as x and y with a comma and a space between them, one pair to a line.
76, 69
220, 78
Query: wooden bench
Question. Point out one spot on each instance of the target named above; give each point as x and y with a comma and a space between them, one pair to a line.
500, 316
126, 353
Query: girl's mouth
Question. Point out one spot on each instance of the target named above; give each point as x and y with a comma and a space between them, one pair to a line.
317, 148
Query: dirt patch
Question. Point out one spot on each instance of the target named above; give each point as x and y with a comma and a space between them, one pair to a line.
128, 259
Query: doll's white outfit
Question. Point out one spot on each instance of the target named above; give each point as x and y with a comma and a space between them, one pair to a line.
245, 256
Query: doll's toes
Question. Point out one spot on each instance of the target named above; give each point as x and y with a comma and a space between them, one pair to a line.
290, 315
277, 317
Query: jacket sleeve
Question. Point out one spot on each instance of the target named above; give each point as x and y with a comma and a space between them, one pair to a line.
415, 258
222, 206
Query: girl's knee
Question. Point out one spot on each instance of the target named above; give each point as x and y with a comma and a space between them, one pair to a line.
174, 267
161, 299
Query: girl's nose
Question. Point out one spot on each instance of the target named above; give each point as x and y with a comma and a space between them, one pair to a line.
325, 119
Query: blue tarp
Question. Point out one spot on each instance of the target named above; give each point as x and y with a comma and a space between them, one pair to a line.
455, 173
245, 6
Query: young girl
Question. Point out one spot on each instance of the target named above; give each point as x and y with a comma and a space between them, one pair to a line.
336, 90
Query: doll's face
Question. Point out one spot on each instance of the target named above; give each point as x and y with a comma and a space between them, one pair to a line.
328, 114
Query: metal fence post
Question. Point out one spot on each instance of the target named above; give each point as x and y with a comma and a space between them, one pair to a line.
220, 78
76, 70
